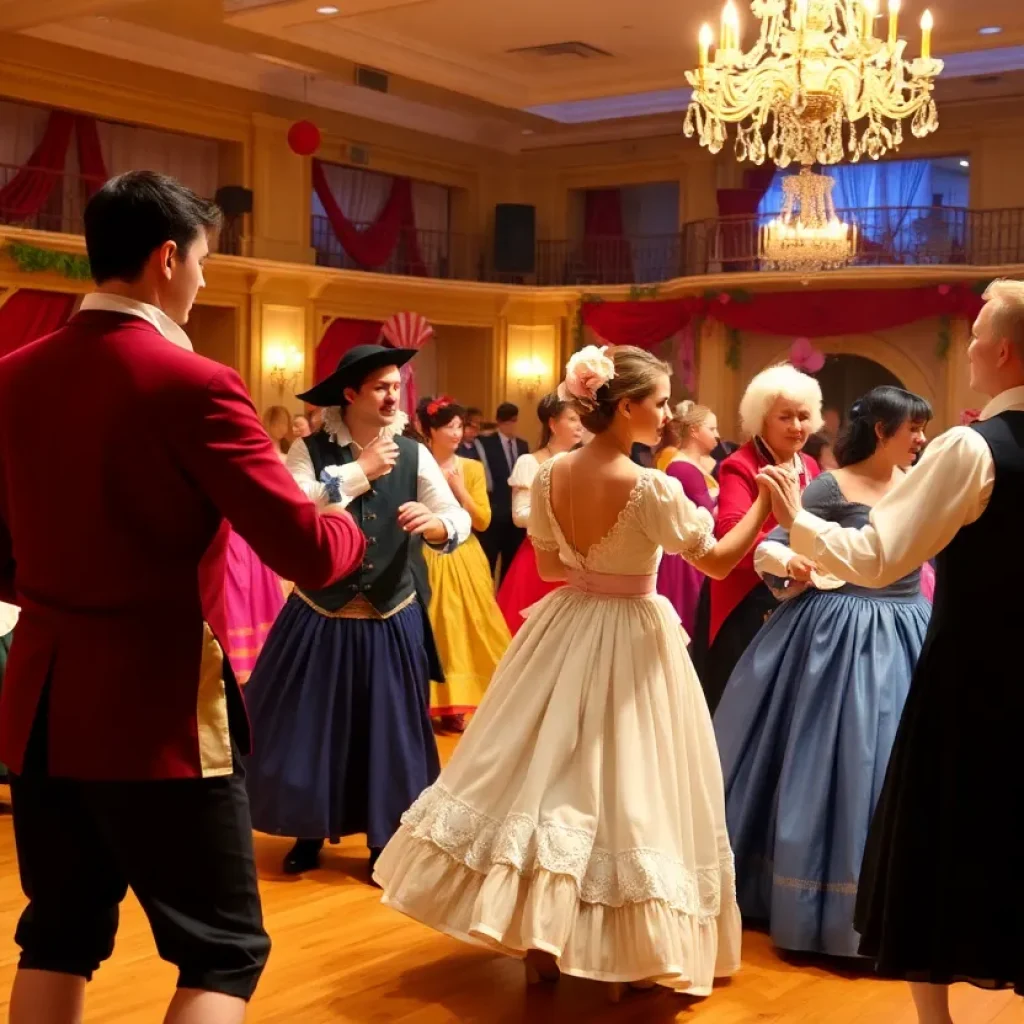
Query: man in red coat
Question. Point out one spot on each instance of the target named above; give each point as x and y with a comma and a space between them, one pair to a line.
120, 720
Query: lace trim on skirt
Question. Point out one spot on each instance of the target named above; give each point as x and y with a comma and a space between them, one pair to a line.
610, 879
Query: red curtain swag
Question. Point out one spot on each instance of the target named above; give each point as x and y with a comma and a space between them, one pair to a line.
340, 336
29, 315
607, 254
90, 156
396, 223
804, 314
28, 191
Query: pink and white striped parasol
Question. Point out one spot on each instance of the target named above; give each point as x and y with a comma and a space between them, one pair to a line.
407, 330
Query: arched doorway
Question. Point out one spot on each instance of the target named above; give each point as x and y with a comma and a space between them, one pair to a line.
845, 377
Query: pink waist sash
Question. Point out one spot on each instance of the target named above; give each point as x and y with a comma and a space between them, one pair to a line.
608, 585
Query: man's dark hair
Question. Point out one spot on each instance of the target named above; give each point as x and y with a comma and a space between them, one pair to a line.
134, 214
474, 413
507, 411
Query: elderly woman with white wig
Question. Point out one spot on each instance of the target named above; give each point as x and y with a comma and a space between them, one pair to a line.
779, 411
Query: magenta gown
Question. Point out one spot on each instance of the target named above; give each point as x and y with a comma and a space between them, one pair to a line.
253, 597
679, 581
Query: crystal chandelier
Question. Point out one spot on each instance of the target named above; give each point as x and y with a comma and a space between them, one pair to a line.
816, 70
807, 236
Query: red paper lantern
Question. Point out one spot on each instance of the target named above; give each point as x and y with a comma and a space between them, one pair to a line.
304, 138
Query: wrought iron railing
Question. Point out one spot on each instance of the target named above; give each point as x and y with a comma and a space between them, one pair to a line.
894, 236
447, 255
64, 208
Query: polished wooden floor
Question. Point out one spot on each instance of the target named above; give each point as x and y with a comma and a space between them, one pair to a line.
339, 956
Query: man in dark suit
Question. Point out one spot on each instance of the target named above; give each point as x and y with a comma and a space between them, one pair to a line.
502, 538
120, 720
469, 446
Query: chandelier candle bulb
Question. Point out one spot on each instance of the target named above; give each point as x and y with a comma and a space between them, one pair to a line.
819, 86
870, 10
927, 24
730, 27
894, 14
704, 39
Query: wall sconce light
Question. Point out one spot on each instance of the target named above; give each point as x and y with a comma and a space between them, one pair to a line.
530, 374
285, 366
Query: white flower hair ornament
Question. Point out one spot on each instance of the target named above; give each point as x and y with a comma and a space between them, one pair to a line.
585, 374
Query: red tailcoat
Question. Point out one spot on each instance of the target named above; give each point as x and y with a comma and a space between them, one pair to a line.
737, 481
122, 457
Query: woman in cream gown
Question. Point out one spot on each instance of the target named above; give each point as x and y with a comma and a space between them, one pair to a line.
581, 820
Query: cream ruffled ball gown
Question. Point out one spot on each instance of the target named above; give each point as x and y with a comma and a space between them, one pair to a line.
582, 813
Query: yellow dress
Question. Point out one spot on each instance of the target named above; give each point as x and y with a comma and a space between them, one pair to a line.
469, 629
664, 458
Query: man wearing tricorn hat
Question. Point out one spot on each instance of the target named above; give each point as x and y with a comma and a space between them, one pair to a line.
339, 695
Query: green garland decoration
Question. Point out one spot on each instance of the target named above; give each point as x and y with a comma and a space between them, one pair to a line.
642, 291
33, 260
577, 326
732, 353
942, 345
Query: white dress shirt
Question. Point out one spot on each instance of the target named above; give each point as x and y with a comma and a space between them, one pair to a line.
8, 617
151, 314
432, 488
949, 488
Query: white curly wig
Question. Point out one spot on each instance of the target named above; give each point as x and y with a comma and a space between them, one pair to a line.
782, 381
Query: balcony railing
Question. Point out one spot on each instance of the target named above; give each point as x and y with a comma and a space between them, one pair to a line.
913, 236
442, 254
64, 209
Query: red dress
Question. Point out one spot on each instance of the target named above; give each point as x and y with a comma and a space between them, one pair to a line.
522, 587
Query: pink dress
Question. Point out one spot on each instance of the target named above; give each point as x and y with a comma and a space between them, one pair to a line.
679, 581
253, 597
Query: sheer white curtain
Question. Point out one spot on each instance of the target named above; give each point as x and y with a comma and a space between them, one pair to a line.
193, 161
21, 130
360, 194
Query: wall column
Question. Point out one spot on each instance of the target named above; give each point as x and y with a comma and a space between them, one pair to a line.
282, 195
717, 383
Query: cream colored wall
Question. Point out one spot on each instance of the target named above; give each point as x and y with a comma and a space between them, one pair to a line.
909, 353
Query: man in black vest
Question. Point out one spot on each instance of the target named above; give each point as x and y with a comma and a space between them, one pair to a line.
501, 540
940, 898
339, 696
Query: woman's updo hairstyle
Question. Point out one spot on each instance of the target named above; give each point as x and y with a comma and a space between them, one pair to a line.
636, 376
687, 417
549, 408
434, 413
886, 406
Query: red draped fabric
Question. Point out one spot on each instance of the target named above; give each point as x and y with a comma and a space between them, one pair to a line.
27, 192
803, 314
28, 315
340, 336
809, 314
606, 251
90, 156
396, 223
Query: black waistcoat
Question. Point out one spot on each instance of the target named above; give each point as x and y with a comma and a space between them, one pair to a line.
385, 578
975, 632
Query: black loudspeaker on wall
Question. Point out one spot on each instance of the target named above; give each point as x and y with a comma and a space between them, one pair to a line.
234, 200
515, 227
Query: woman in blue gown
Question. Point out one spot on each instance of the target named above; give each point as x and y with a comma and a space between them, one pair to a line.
807, 721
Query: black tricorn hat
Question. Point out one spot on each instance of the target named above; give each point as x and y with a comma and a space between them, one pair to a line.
353, 368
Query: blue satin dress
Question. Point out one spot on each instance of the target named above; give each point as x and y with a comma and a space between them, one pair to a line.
805, 728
